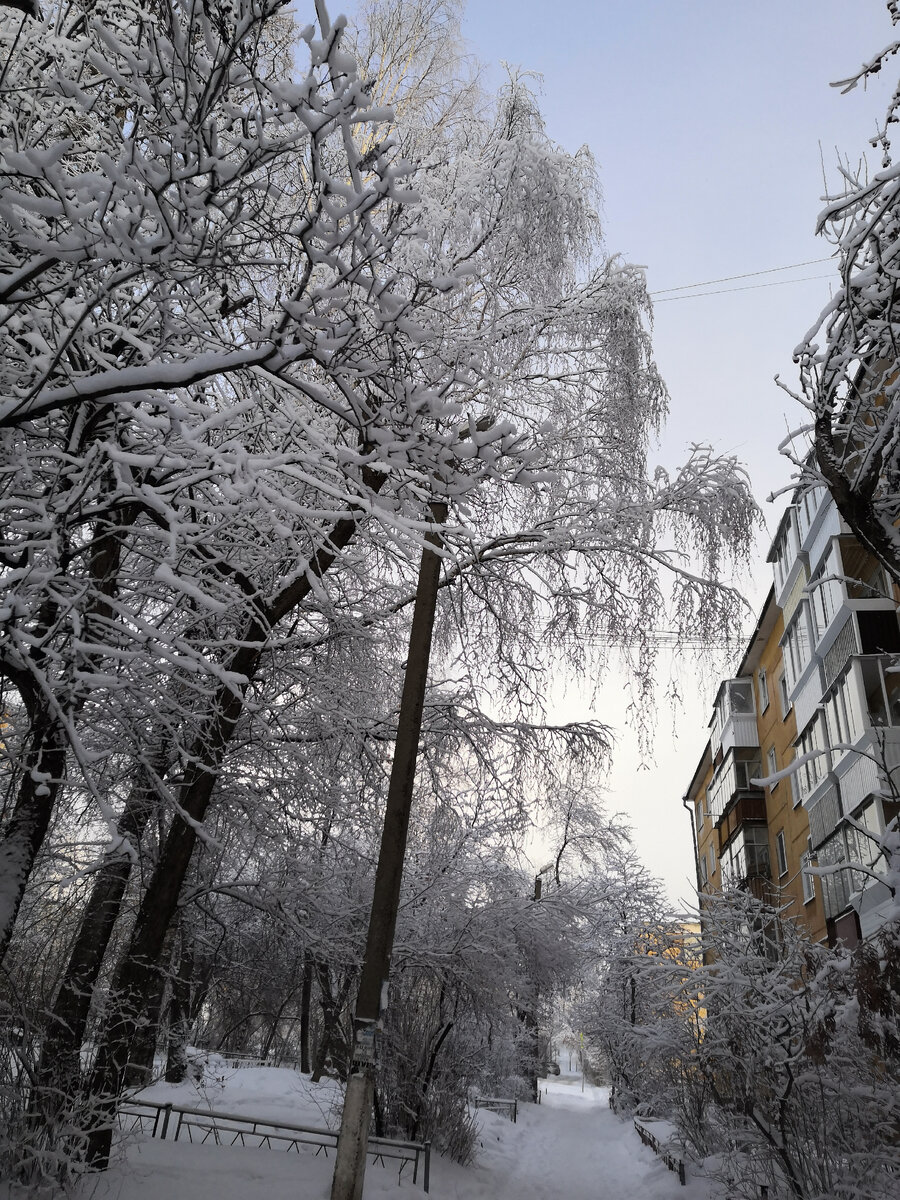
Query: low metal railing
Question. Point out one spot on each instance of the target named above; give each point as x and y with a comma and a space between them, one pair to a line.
171, 1122
499, 1104
672, 1161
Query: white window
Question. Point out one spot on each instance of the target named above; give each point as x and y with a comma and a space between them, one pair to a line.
700, 814
826, 598
809, 774
795, 646
841, 714
704, 874
809, 881
785, 550
772, 767
762, 685
712, 861
783, 695
781, 853
809, 506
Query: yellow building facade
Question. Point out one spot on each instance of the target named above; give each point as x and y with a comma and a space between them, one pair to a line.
816, 684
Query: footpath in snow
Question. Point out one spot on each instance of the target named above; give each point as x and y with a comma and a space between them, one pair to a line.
570, 1147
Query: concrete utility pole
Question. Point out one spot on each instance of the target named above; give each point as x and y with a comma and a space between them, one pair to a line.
350, 1160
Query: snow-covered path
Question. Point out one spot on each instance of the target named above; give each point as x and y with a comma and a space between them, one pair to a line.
572, 1147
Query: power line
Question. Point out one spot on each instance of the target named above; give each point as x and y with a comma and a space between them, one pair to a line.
686, 287
751, 287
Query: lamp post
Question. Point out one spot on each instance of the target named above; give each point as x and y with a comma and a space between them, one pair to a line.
350, 1159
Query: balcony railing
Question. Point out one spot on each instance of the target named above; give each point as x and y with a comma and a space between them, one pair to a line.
733, 778
865, 770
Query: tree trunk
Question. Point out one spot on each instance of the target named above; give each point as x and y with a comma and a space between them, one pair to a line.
42, 776
60, 1064
180, 1012
142, 1056
427, 1078
305, 1004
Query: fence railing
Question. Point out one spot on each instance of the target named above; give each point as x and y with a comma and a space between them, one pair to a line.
672, 1161
499, 1104
171, 1122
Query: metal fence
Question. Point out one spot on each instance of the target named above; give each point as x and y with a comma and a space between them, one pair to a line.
672, 1161
172, 1123
498, 1104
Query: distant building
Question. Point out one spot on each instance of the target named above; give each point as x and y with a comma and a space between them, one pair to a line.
817, 675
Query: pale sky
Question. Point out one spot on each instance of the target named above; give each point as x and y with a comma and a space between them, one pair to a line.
709, 120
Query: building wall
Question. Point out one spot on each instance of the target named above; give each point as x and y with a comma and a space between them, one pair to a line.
784, 814
822, 580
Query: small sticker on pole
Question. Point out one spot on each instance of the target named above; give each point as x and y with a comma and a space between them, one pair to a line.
364, 1044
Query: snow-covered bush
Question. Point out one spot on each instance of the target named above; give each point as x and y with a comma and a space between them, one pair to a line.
776, 1058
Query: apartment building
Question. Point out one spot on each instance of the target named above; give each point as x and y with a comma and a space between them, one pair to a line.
817, 679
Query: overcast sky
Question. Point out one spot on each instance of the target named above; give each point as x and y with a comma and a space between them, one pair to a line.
710, 120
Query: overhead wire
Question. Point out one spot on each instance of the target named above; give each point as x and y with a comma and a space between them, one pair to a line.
745, 275
750, 287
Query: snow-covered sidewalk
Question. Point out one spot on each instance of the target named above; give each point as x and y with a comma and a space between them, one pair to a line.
571, 1147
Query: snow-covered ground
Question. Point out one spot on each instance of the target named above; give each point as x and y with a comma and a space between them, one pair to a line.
571, 1147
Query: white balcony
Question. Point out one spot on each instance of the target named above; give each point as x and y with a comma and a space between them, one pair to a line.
739, 730
862, 773
807, 695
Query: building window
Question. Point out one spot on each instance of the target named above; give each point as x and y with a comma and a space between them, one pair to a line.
747, 855
772, 767
795, 646
762, 684
848, 846
700, 807
712, 862
781, 853
809, 881
783, 695
704, 874
843, 727
809, 774
825, 591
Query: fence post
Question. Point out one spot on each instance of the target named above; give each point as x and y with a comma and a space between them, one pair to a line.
426, 1174
681, 1172
167, 1111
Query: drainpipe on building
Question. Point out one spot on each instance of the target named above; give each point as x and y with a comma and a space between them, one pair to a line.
688, 807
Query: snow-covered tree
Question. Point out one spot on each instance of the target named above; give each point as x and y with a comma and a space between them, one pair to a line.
849, 381
240, 357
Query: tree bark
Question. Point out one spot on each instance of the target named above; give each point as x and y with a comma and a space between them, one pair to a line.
60, 1065
305, 1005
43, 773
180, 1011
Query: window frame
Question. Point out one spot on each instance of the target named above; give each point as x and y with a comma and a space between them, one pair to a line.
781, 854
808, 880
762, 688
